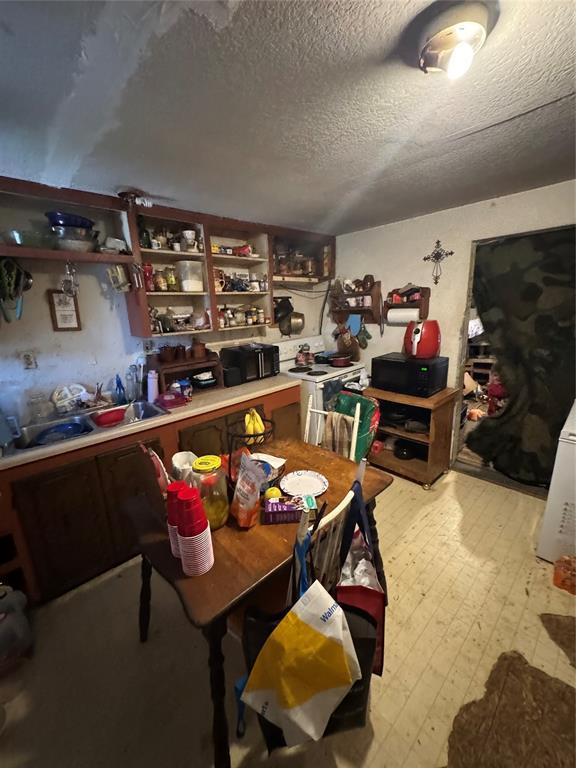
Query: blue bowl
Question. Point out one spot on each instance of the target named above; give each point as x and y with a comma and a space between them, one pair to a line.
59, 219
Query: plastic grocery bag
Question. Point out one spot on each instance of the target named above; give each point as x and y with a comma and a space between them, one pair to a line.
305, 668
246, 502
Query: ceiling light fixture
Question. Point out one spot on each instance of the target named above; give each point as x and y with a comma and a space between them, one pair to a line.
451, 39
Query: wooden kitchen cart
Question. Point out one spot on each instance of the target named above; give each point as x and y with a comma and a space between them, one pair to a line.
433, 446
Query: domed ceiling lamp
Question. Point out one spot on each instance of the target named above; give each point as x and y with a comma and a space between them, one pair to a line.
450, 40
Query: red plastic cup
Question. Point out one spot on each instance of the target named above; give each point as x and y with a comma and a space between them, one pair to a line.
173, 513
172, 504
192, 518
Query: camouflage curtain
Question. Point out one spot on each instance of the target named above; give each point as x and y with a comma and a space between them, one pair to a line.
524, 293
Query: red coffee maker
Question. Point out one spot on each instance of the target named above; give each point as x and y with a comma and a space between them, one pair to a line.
422, 339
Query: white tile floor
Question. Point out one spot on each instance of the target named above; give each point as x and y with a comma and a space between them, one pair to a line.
464, 586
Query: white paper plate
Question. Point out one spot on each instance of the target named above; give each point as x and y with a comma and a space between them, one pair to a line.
304, 482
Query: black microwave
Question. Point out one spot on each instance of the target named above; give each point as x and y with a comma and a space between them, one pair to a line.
253, 361
421, 377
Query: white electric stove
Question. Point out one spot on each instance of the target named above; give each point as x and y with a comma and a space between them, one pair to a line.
321, 381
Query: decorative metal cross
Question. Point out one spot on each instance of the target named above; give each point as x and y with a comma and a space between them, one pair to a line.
437, 256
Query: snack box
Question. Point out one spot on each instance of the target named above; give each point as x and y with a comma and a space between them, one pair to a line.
288, 509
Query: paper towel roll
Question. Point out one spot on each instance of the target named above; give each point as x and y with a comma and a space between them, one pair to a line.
402, 315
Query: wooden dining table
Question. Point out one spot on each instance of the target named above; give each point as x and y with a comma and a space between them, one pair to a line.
244, 559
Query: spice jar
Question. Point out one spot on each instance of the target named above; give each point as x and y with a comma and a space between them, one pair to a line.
260, 317
160, 283
171, 279
210, 479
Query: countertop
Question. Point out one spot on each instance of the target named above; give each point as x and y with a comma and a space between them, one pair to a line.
202, 402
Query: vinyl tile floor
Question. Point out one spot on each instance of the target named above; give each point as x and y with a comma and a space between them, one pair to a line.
464, 586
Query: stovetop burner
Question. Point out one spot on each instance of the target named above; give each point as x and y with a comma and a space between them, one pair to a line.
316, 373
300, 369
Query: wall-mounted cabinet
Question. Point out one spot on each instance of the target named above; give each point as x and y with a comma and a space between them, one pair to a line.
189, 272
239, 263
26, 232
300, 259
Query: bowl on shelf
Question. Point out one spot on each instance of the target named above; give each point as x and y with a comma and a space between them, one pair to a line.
69, 244
60, 219
28, 238
74, 233
75, 238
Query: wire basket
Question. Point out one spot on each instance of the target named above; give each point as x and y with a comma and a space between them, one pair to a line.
239, 439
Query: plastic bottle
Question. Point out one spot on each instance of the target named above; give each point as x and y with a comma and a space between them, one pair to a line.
152, 386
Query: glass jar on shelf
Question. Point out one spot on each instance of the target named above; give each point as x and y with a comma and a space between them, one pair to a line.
171, 279
210, 479
160, 283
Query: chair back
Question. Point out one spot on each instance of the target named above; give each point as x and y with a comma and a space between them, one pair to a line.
326, 544
320, 424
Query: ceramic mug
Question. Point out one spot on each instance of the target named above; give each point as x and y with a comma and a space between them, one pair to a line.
351, 301
189, 235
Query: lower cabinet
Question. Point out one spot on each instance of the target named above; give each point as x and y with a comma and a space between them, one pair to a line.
73, 521
287, 421
207, 438
211, 437
65, 522
123, 475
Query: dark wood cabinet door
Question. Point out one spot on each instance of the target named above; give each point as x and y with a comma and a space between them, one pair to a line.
287, 421
64, 519
207, 438
123, 474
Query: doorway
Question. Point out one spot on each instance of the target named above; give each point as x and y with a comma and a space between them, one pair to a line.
518, 373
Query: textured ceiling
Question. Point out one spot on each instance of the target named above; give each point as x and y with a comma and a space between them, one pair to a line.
297, 113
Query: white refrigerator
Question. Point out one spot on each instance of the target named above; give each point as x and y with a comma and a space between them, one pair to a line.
558, 531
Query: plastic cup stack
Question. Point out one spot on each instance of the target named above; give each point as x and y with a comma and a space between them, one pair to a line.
194, 538
173, 514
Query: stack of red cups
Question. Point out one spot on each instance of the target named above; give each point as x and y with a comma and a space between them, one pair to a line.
194, 538
173, 513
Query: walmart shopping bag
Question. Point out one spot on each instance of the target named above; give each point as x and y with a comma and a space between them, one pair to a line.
305, 668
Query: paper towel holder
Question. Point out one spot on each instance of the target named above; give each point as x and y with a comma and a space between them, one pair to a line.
422, 304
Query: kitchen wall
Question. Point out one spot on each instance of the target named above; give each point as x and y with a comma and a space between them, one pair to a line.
102, 348
393, 254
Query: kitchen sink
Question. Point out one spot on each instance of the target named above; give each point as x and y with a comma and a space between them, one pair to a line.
69, 427
79, 426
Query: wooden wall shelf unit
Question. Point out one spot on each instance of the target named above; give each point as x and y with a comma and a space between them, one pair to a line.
47, 254
121, 219
423, 305
302, 258
371, 314
434, 445
169, 372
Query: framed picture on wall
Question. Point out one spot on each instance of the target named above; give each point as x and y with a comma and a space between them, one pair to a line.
64, 311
